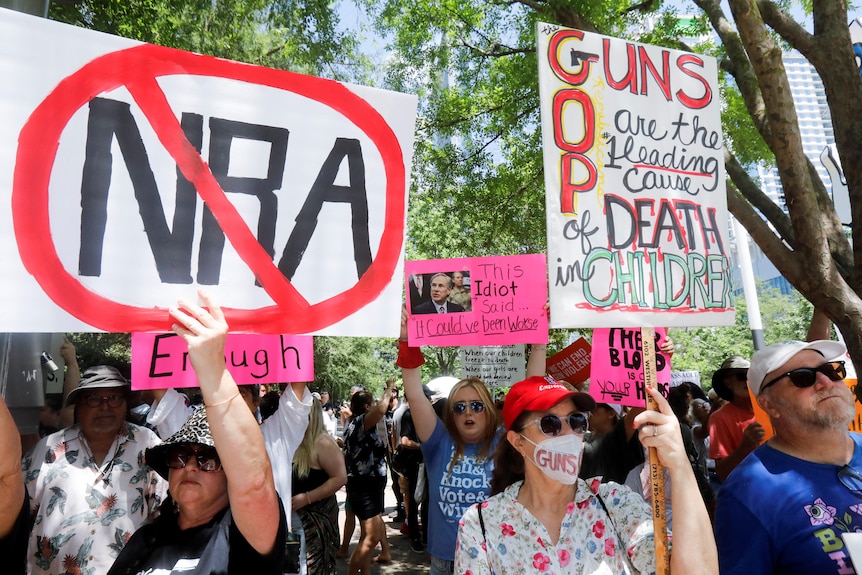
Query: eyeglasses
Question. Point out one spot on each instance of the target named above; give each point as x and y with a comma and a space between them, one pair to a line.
851, 479
806, 376
97, 400
553, 425
205, 457
460, 407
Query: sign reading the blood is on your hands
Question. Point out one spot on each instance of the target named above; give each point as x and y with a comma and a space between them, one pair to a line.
137, 174
634, 180
616, 369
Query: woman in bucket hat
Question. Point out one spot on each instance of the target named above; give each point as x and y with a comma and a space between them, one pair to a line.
223, 514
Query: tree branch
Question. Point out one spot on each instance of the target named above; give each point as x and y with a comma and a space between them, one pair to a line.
739, 66
750, 190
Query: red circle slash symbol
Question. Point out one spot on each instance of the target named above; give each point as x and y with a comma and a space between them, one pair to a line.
136, 69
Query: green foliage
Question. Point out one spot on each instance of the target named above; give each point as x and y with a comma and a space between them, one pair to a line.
785, 317
299, 35
342, 362
103, 349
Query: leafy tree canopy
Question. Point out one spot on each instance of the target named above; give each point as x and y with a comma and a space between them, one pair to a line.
785, 317
478, 183
299, 35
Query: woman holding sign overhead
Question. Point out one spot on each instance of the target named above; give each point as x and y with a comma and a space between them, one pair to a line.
543, 518
457, 450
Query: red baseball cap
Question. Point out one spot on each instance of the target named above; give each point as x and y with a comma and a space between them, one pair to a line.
539, 393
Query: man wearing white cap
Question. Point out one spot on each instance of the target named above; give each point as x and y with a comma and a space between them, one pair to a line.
785, 507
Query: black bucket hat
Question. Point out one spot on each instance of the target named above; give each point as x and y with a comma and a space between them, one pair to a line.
732, 363
98, 377
196, 430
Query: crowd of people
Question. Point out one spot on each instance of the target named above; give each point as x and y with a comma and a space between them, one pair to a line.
233, 479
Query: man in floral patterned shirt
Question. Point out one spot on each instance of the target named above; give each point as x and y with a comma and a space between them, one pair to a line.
785, 508
89, 486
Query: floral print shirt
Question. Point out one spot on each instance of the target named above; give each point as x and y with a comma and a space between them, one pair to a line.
515, 542
84, 513
364, 450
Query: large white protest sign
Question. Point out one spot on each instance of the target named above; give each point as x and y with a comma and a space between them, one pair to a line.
634, 179
136, 174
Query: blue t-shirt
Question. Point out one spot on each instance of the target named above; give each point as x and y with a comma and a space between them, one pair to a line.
450, 495
780, 514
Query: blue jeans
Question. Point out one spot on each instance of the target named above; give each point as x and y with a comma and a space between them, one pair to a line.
441, 566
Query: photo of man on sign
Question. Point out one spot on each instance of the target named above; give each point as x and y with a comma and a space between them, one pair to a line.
441, 287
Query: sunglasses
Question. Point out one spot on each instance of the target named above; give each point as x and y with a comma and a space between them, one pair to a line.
740, 375
205, 457
553, 425
460, 407
851, 479
97, 400
806, 376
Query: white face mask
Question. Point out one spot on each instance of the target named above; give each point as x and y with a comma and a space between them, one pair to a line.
559, 457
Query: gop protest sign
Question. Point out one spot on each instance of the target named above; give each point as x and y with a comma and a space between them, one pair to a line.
136, 174
617, 370
161, 361
634, 180
497, 300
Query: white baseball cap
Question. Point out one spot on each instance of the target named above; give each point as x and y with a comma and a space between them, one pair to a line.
773, 356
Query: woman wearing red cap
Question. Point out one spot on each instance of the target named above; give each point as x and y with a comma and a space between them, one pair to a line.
543, 518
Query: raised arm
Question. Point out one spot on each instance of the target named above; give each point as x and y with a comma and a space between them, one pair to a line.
11, 478
70, 380
410, 360
169, 411
378, 410
694, 550
536, 363
253, 500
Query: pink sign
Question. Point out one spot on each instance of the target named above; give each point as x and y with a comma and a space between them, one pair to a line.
161, 360
616, 375
478, 301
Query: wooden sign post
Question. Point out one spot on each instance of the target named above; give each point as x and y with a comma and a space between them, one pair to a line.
659, 509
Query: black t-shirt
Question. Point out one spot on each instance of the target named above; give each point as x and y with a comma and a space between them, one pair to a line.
215, 548
412, 457
611, 456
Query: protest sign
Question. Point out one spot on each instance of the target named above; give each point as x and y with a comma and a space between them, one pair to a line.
161, 360
504, 297
139, 173
634, 180
496, 366
677, 377
616, 371
572, 364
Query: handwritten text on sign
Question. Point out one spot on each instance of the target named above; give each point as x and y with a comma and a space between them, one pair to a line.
161, 361
616, 373
507, 298
170, 171
634, 174
572, 364
496, 366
